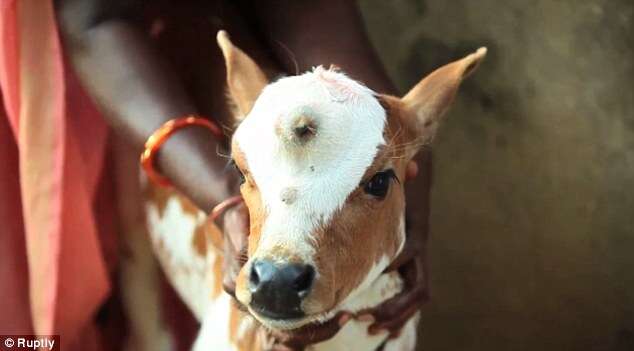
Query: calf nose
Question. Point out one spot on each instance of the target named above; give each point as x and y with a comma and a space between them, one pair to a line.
277, 290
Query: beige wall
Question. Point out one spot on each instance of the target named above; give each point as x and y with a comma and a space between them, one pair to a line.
532, 241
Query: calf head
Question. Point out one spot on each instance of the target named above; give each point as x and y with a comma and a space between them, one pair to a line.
323, 160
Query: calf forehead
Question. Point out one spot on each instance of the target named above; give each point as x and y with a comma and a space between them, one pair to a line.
302, 183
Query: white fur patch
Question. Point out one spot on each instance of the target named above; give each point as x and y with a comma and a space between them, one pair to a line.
323, 171
374, 289
214, 333
355, 332
189, 273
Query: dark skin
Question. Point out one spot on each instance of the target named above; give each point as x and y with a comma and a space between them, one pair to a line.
140, 83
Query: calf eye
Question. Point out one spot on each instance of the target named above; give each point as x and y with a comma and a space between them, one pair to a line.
380, 183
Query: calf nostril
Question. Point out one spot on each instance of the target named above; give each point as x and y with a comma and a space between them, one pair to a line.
261, 272
304, 280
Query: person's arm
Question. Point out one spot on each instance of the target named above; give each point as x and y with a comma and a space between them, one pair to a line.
312, 33
138, 92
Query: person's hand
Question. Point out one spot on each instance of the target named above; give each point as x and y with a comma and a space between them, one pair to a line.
235, 229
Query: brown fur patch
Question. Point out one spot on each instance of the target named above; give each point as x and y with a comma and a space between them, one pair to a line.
215, 237
187, 206
158, 195
257, 214
351, 244
207, 233
216, 289
199, 240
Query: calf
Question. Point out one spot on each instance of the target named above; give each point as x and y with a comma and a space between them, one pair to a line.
323, 161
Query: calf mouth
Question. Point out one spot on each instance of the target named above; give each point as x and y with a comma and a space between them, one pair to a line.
291, 324
294, 324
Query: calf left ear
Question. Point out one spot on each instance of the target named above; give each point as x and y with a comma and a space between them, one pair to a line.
430, 98
245, 78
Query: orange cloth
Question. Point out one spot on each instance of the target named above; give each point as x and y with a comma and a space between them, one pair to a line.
55, 152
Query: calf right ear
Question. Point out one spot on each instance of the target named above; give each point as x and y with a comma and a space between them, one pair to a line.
428, 101
245, 79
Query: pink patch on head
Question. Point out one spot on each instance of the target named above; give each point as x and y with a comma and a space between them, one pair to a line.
340, 87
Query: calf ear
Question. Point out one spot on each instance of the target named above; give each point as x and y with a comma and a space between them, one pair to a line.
430, 98
245, 79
